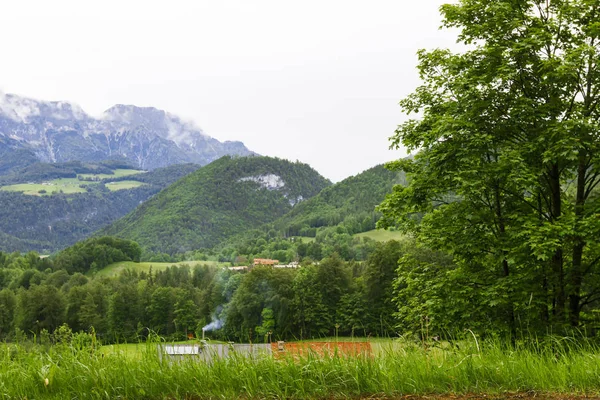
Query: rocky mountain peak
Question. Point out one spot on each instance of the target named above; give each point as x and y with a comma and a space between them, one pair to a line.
149, 138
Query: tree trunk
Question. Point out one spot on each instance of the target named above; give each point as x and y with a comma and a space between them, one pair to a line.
579, 244
557, 259
505, 266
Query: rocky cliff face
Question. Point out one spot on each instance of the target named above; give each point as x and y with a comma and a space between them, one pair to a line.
145, 136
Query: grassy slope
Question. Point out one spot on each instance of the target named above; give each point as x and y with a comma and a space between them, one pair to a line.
121, 185
72, 185
118, 173
381, 235
213, 204
66, 185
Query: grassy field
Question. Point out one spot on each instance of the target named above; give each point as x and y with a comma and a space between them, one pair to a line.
381, 235
66, 185
118, 173
72, 185
560, 369
114, 186
117, 268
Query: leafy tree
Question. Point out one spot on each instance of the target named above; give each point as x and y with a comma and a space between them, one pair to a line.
186, 315
379, 276
506, 174
310, 315
333, 279
97, 253
40, 307
123, 313
8, 302
161, 310
88, 315
261, 288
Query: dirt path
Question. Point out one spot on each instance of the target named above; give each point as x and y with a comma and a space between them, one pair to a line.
509, 396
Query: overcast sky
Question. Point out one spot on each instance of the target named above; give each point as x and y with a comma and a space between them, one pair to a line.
314, 80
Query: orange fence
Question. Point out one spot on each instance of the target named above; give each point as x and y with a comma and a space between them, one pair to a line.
321, 348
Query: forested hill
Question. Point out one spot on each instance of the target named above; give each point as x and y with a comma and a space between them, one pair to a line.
350, 202
225, 198
49, 222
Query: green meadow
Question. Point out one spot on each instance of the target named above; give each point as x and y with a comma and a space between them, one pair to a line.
64, 185
121, 185
381, 235
74, 185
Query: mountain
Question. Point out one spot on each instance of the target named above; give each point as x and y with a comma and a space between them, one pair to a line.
223, 199
350, 202
148, 138
52, 222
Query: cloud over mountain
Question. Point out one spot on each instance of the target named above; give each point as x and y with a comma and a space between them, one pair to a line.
145, 136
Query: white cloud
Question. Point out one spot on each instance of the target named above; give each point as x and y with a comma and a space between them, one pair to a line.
317, 81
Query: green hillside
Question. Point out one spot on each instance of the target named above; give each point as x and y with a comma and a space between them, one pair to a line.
350, 202
52, 206
225, 198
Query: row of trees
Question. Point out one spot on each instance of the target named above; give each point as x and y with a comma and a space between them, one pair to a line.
320, 299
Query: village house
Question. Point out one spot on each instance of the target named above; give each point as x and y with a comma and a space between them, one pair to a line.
265, 261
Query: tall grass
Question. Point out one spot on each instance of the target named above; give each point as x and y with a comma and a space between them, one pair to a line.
61, 372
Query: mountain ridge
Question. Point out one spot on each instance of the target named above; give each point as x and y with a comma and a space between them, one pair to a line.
60, 131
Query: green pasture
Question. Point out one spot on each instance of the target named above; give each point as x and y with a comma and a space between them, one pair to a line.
72, 185
64, 185
117, 268
381, 235
114, 186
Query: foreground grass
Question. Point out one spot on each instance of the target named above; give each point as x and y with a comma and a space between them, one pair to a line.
562, 368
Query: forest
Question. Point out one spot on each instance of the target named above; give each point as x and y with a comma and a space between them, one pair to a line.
499, 207
331, 296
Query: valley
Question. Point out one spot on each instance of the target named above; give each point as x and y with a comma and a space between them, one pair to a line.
142, 258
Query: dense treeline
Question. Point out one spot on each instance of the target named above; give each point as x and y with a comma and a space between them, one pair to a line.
49, 223
324, 298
